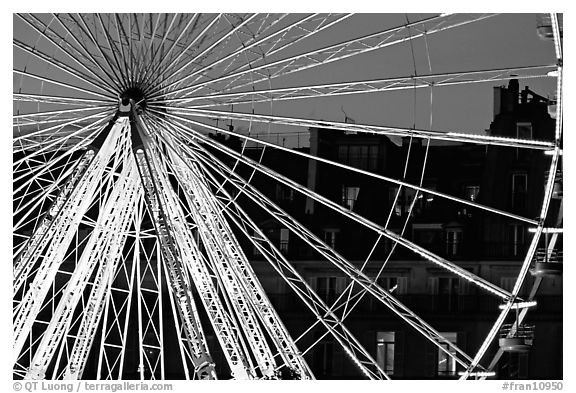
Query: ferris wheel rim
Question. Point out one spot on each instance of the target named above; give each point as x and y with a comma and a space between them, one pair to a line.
121, 80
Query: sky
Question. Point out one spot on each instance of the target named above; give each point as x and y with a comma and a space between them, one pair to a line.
498, 42
501, 41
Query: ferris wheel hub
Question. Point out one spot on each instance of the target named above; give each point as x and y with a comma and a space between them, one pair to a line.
137, 94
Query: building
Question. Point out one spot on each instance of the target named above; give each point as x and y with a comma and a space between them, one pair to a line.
487, 244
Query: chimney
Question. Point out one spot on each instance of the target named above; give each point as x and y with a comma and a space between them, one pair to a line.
513, 92
498, 92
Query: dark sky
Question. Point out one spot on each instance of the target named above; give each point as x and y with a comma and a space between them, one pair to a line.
507, 40
502, 41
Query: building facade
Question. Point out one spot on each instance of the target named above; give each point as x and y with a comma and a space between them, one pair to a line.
489, 245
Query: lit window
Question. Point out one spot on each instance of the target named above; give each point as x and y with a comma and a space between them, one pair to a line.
453, 241
284, 236
427, 198
385, 351
471, 192
330, 237
517, 239
447, 363
409, 194
349, 196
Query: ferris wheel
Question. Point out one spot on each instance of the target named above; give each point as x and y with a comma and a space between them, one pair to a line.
128, 218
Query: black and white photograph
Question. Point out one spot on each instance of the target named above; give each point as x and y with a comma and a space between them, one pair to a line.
286, 196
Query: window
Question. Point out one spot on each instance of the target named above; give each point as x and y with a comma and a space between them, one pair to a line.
359, 156
447, 364
323, 356
284, 193
517, 239
349, 196
471, 192
256, 251
507, 283
284, 236
508, 280
519, 189
330, 237
523, 131
448, 292
329, 287
429, 236
385, 351
427, 198
454, 241
409, 194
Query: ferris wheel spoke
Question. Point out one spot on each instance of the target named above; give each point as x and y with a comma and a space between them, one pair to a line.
63, 216
404, 313
86, 48
123, 55
59, 83
30, 202
154, 64
371, 129
254, 48
102, 249
103, 294
314, 25
157, 203
108, 221
197, 40
66, 223
84, 38
157, 68
79, 76
234, 263
242, 305
116, 78
125, 78
245, 29
50, 143
199, 58
350, 270
51, 115
233, 26
64, 45
246, 36
336, 52
545, 205
360, 87
353, 216
59, 100
344, 337
359, 171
